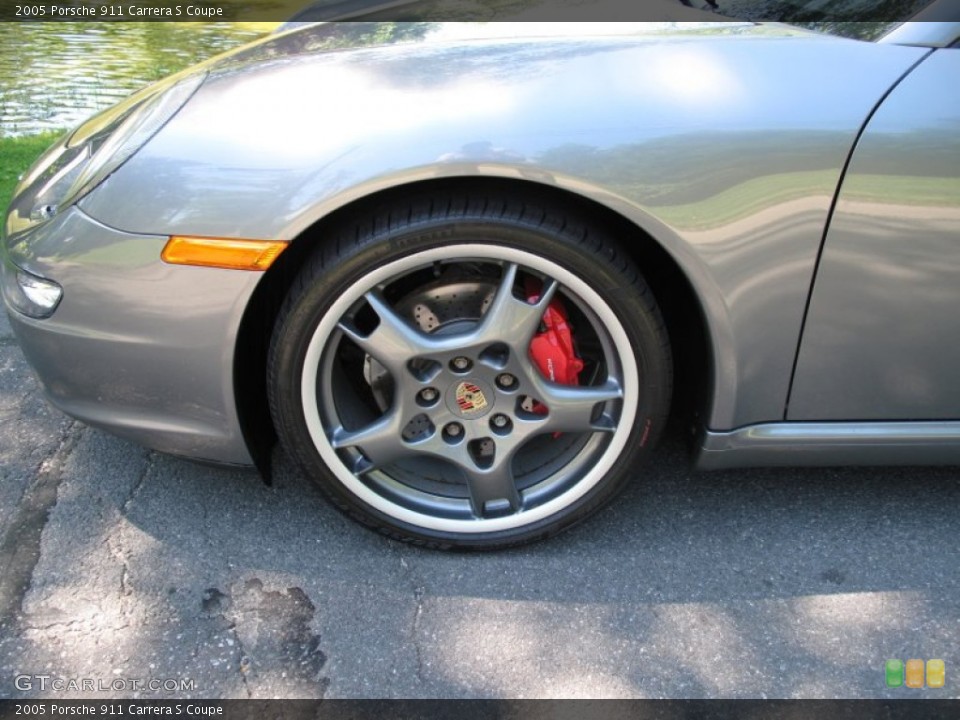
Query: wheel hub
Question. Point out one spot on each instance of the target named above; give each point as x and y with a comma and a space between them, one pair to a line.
470, 378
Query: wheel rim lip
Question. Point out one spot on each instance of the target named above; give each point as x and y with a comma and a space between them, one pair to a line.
327, 327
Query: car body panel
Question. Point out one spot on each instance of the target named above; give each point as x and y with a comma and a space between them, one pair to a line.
136, 346
831, 443
725, 147
880, 340
936, 25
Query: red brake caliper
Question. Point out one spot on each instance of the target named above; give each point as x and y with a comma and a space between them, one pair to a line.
552, 348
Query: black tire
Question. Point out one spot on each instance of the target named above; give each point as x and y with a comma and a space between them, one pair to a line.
389, 362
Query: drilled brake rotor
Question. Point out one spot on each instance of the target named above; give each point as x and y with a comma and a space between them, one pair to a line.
444, 306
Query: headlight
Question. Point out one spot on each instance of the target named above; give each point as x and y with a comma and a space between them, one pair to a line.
27, 293
86, 157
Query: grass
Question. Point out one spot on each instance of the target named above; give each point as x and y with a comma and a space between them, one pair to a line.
16, 155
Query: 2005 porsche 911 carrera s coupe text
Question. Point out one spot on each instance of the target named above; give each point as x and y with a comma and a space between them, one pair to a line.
465, 273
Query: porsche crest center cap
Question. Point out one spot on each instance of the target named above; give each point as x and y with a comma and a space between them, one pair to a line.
470, 399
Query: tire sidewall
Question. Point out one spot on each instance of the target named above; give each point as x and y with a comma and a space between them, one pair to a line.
332, 274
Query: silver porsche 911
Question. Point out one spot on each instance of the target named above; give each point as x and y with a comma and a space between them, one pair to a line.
466, 273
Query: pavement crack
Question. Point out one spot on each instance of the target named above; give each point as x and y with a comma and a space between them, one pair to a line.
125, 590
243, 664
60, 625
149, 459
279, 652
21, 545
419, 590
217, 604
115, 543
415, 632
19, 406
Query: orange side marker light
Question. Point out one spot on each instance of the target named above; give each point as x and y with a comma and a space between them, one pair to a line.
230, 254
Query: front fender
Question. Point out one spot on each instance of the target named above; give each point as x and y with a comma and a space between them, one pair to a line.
726, 149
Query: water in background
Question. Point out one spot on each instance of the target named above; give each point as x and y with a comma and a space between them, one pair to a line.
55, 74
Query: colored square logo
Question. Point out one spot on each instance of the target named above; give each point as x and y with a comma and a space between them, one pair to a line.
936, 673
894, 673
914, 674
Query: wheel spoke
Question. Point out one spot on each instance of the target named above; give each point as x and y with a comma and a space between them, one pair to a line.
470, 438
493, 491
394, 341
571, 408
513, 320
380, 442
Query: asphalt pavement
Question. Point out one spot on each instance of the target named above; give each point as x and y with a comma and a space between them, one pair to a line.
120, 566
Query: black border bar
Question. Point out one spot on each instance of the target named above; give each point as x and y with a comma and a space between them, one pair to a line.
487, 709
417, 10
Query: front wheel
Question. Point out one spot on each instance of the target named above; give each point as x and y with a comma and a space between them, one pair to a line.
471, 378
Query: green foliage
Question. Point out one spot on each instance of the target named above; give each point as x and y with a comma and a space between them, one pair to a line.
16, 155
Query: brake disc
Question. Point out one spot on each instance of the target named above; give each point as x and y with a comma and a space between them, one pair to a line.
448, 305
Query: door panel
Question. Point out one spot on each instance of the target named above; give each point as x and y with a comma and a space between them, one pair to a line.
882, 337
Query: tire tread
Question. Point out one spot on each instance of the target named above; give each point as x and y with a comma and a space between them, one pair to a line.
349, 238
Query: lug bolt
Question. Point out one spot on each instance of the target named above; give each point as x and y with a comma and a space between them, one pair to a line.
429, 395
500, 421
506, 380
453, 430
460, 363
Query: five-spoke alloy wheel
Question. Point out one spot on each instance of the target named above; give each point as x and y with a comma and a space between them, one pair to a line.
478, 380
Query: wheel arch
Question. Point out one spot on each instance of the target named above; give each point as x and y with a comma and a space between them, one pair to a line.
685, 313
